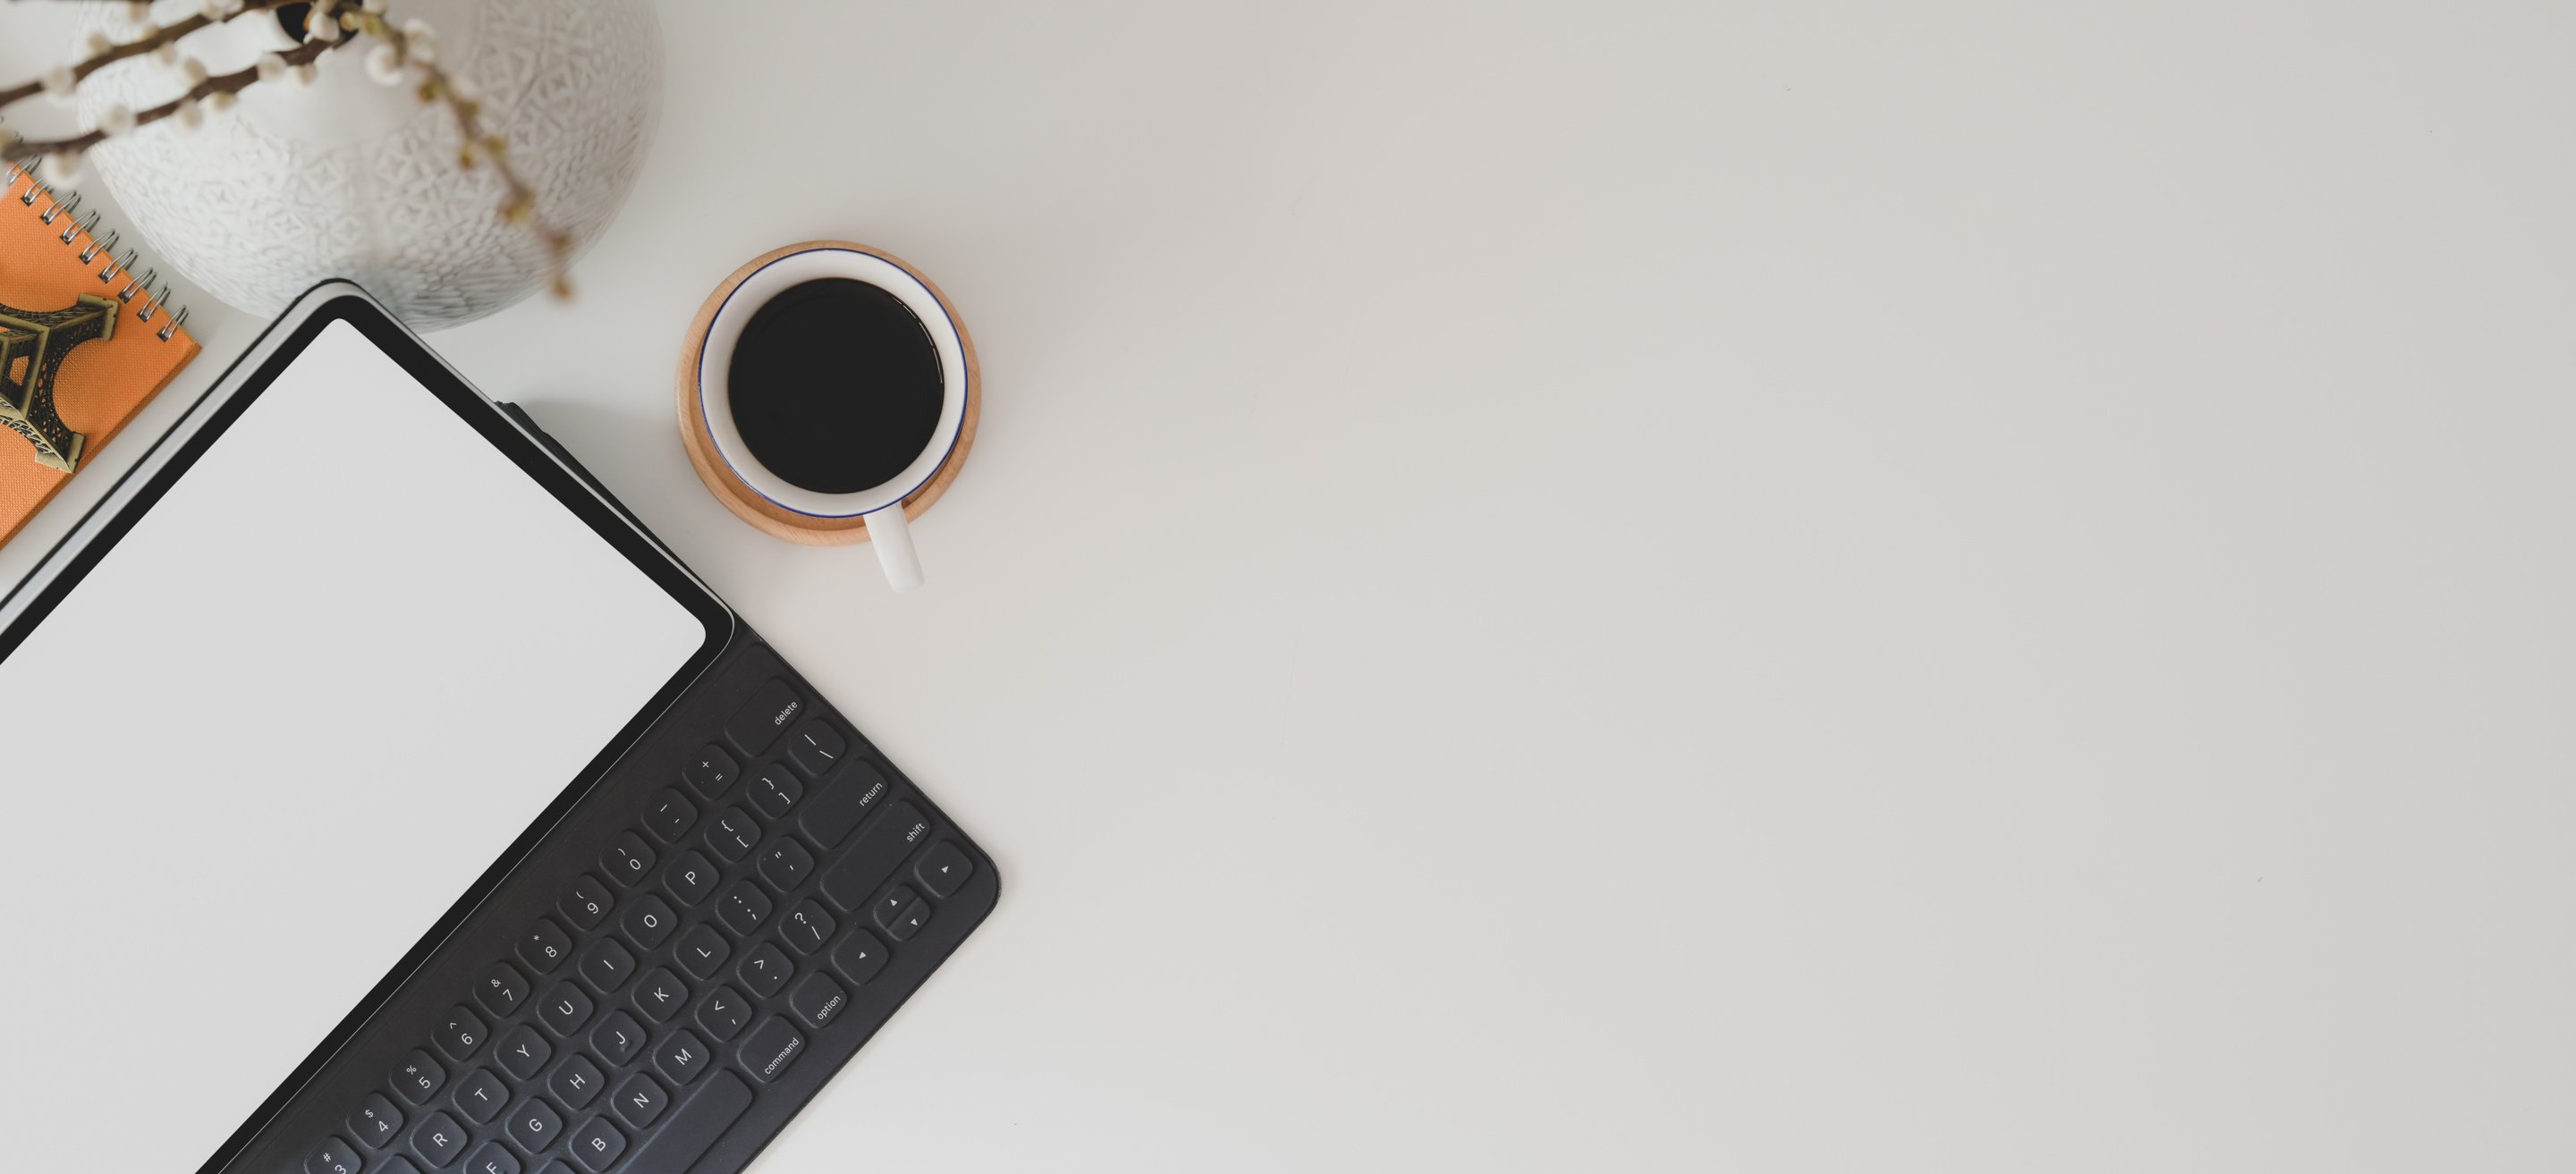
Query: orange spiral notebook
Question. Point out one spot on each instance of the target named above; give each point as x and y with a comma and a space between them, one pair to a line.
84, 342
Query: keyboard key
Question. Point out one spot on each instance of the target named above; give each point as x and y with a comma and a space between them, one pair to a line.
419, 1077
502, 990
545, 946
576, 1082
672, 815
859, 957
711, 770
744, 907
785, 863
702, 952
618, 1038
628, 860
817, 747
493, 1158
606, 965
910, 922
459, 1034
661, 995
333, 1156
565, 1010
765, 970
681, 1058
597, 1144
723, 1013
845, 799
587, 903
640, 1102
775, 790
691, 877
523, 1051
695, 1126
534, 1125
732, 835
943, 869
558, 1166
481, 1095
439, 1140
375, 1121
650, 922
874, 856
818, 1001
892, 903
396, 1164
806, 927
771, 1048
772, 708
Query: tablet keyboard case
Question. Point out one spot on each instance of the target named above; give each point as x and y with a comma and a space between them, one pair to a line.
705, 939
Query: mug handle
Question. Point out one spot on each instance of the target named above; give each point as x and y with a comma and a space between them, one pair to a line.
892, 536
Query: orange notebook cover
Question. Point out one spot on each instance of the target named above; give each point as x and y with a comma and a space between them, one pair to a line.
46, 266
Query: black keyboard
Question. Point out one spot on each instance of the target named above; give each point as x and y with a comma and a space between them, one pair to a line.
690, 955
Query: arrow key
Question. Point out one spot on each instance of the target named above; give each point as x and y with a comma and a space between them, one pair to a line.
909, 922
943, 869
859, 956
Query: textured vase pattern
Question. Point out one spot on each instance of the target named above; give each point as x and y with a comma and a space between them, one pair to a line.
256, 218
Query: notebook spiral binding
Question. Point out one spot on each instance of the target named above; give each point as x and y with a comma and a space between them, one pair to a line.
45, 204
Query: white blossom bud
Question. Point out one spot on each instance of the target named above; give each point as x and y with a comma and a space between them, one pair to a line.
61, 168
95, 44
166, 56
116, 118
58, 82
220, 101
419, 42
218, 9
271, 67
374, 6
385, 65
192, 71
464, 89
302, 75
321, 26
189, 115
138, 11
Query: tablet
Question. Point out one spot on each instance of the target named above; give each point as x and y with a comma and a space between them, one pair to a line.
330, 667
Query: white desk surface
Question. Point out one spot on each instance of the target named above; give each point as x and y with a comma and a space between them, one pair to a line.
1834, 588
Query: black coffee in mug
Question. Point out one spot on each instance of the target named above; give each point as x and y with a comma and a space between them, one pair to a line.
836, 385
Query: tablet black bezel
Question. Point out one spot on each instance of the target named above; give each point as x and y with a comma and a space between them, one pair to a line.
488, 421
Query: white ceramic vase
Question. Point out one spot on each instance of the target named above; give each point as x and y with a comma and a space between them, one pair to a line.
350, 178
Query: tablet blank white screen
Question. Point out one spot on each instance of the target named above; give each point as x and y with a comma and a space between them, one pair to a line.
273, 735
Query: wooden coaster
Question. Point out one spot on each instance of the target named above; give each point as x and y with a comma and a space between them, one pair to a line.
746, 502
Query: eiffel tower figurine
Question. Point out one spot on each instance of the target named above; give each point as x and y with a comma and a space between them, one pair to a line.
33, 344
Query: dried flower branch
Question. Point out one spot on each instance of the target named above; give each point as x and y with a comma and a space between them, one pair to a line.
63, 78
414, 47
401, 54
118, 120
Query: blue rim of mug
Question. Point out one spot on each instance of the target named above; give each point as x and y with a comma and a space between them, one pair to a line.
964, 399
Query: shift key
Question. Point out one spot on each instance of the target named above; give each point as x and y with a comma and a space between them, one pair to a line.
879, 850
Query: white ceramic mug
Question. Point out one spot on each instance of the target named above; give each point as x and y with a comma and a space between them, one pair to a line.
881, 507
